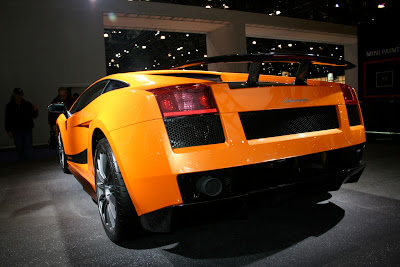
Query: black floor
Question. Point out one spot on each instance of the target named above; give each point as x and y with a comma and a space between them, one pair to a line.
47, 219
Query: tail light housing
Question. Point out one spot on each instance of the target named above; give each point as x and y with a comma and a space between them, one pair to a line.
185, 100
349, 94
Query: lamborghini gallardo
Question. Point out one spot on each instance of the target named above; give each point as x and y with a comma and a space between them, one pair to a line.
143, 143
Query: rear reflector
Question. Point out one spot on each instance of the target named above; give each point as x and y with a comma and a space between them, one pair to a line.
349, 94
185, 99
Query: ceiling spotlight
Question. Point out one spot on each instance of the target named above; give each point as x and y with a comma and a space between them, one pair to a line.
381, 5
337, 5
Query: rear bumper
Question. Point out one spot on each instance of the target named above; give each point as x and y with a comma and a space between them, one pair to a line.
325, 171
151, 168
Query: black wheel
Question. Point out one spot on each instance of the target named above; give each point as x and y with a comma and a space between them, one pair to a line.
61, 155
117, 212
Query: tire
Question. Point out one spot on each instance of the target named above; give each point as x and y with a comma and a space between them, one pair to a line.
61, 155
118, 215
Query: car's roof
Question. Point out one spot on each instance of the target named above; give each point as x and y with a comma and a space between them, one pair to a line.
147, 79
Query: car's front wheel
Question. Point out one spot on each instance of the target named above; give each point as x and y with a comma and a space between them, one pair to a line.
117, 212
61, 155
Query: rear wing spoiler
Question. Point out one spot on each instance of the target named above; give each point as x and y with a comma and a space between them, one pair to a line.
255, 60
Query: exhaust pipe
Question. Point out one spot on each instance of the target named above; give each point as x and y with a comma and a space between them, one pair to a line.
209, 186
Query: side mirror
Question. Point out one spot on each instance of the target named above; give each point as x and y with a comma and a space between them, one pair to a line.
56, 108
59, 108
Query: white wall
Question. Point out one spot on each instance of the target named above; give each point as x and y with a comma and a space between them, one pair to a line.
351, 55
45, 45
227, 40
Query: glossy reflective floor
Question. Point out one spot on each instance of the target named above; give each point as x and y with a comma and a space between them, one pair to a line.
47, 219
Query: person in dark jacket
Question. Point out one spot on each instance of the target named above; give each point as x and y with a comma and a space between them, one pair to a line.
62, 97
19, 123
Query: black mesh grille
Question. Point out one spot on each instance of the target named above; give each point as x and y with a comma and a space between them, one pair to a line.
269, 123
354, 117
194, 130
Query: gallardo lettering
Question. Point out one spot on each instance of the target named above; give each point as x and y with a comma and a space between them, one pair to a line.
287, 100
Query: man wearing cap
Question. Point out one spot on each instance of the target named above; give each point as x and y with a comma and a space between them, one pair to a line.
19, 123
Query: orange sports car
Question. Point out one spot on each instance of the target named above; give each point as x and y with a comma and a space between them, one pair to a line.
142, 143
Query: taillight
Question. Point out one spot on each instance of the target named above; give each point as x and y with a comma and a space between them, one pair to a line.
349, 94
185, 99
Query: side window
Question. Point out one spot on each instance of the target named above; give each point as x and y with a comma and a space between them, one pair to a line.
114, 84
89, 95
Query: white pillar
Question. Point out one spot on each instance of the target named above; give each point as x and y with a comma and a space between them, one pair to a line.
351, 55
227, 40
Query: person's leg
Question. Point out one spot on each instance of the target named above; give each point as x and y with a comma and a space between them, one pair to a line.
28, 149
19, 144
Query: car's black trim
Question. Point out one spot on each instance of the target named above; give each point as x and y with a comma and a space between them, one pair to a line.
316, 183
208, 77
279, 122
85, 184
80, 158
161, 220
328, 169
157, 221
354, 116
195, 130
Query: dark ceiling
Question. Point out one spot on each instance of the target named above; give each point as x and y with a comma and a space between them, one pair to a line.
349, 12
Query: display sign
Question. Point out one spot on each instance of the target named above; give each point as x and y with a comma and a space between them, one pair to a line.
384, 79
379, 61
381, 78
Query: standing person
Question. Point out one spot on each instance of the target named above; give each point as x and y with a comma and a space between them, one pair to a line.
19, 123
64, 97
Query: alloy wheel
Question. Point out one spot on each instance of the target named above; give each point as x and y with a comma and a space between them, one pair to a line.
105, 191
61, 151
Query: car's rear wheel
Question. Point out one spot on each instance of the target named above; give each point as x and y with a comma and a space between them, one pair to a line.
117, 212
61, 155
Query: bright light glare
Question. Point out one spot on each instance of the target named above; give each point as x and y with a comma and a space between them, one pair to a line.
112, 16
